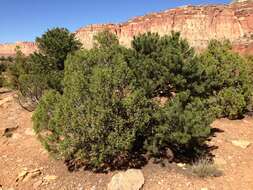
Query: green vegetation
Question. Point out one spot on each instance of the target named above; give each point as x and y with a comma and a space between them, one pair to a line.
1, 73
4, 63
105, 107
43, 70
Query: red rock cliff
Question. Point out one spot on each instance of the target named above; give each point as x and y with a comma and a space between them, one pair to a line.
198, 24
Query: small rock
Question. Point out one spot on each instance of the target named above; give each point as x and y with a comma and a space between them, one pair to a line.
205, 188
132, 179
21, 175
50, 177
32, 174
182, 165
241, 143
29, 132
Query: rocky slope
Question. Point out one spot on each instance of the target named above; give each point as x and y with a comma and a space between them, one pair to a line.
198, 24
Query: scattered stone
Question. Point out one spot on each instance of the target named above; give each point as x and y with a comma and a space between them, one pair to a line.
132, 179
22, 175
182, 165
50, 178
26, 175
241, 143
29, 132
32, 174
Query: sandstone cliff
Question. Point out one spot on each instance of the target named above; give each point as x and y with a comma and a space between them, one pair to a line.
198, 24
9, 49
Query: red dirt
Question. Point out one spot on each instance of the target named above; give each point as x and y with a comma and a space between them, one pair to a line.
23, 150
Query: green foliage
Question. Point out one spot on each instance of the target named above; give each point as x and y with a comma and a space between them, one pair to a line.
17, 69
225, 77
107, 112
42, 120
183, 124
163, 64
43, 69
56, 44
100, 116
4, 63
105, 40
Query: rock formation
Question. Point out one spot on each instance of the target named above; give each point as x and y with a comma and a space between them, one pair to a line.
9, 49
198, 24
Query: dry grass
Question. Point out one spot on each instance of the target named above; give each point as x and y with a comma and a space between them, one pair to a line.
204, 168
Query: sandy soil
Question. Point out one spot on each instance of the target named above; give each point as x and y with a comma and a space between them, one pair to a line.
23, 152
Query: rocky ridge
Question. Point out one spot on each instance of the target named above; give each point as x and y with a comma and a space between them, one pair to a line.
198, 24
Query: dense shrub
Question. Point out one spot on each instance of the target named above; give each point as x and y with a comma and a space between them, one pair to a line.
108, 113
183, 124
100, 115
225, 77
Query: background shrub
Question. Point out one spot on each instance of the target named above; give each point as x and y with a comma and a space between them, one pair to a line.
4, 64
43, 70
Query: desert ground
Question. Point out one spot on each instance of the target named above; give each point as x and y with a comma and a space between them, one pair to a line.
25, 165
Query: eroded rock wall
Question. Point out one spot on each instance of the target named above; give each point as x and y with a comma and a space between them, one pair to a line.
9, 49
198, 24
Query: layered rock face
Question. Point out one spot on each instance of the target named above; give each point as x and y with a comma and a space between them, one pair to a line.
9, 49
198, 24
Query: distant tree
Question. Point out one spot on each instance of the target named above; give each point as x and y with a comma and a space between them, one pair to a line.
44, 69
16, 69
56, 44
105, 39
2, 69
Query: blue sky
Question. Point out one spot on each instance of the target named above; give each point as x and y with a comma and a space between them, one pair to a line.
23, 20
